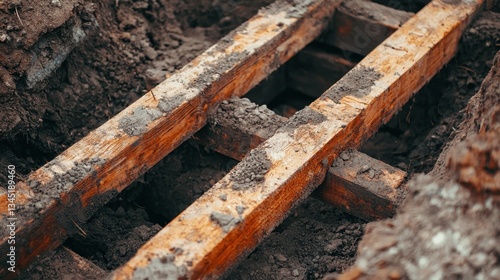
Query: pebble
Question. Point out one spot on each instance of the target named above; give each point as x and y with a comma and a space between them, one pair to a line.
371, 173
344, 156
280, 258
122, 250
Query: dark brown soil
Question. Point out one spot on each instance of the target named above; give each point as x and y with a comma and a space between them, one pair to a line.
128, 47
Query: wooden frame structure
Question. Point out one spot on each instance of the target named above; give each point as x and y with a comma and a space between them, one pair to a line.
213, 233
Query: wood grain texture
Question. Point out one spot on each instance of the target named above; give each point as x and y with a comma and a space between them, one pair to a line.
363, 186
213, 233
70, 188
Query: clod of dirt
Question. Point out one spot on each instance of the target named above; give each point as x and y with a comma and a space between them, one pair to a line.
240, 209
225, 221
51, 51
476, 163
250, 170
154, 77
356, 82
213, 72
136, 123
248, 115
161, 268
302, 117
168, 104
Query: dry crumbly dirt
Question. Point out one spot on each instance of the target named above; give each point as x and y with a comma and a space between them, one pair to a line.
57, 86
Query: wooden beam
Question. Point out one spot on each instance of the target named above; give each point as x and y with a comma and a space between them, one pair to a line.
238, 126
70, 188
229, 220
356, 183
359, 26
363, 186
313, 70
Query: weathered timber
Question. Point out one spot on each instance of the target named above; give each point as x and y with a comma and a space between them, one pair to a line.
239, 126
363, 186
356, 183
70, 188
359, 26
313, 70
229, 220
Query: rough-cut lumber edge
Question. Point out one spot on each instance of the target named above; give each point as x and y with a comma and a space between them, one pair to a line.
313, 70
229, 220
356, 183
71, 187
359, 26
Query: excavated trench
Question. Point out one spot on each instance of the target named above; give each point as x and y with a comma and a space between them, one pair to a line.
127, 47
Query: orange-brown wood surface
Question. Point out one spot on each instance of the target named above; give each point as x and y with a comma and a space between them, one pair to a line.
363, 186
213, 233
70, 188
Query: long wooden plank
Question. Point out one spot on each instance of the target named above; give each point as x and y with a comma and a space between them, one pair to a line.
356, 183
229, 220
71, 187
360, 25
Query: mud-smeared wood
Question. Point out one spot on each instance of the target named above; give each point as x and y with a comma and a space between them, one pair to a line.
71, 187
301, 152
363, 186
356, 183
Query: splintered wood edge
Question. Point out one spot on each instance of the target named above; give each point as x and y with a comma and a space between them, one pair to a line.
230, 219
109, 158
356, 183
